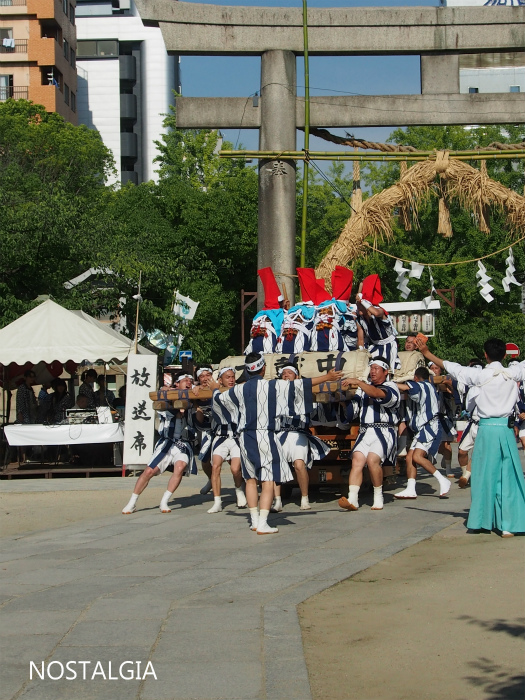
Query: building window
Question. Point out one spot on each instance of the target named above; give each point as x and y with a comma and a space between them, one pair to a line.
96, 49
71, 14
6, 87
65, 7
515, 88
66, 94
73, 102
66, 50
73, 57
473, 91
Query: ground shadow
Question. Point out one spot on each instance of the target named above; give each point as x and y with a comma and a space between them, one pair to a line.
497, 682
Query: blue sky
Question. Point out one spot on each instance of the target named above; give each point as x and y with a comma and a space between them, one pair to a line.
329, 75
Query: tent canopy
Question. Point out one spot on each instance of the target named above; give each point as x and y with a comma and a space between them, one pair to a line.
49, 332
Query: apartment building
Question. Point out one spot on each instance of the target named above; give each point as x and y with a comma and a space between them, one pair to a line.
125, 83
491, 72
38, 54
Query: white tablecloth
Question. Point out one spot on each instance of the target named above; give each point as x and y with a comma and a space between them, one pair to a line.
76, 434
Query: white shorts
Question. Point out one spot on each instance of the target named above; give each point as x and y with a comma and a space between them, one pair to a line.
467, 442
521, 429
228, 450
371, 443
174, 455
295, 447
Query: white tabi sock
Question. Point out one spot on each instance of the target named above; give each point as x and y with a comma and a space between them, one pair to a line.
353, 495
277, 505
263, 528
444, 483
217, 505
467, 474
378, 498
411, 486
164, 507
241, 498
130, 507
305, 503
254, 515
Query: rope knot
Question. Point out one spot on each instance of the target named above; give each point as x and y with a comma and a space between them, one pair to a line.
441, 161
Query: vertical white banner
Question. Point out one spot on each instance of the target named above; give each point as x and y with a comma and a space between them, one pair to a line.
139, 426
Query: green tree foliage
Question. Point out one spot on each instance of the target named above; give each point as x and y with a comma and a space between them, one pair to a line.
51, 180
460, 333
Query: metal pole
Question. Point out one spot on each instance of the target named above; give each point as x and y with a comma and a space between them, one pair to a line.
137, 316
306, 133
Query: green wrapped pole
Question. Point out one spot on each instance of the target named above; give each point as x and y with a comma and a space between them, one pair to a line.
306, 133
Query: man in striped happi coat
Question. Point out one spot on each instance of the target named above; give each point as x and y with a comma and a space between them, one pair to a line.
469, 434
221, 444
173, 451
377, 405
422, 413
255, 407
300, 447
447, 415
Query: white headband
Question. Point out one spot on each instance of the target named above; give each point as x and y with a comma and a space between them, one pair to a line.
224, 370
203, 369
183, 376
291, 368
380, 363
258, 364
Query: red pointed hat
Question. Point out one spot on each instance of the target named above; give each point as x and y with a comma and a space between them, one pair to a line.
342, 279
371, 290
312, 289
272, 293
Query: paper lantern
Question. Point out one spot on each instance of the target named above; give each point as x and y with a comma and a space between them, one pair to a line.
415, 323
427, 323
402, 324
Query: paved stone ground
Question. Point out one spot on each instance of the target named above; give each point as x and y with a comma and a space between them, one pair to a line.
210, 603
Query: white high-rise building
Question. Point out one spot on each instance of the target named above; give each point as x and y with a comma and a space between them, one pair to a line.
125, 83
491, 72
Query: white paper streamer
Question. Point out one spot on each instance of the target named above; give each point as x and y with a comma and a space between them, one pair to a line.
509, 273
427, 300
402, 282
417, 270
485, 288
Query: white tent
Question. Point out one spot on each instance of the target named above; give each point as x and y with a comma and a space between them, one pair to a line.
49, 332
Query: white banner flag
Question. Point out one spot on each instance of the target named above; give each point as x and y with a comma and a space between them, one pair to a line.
139, 426
184, 307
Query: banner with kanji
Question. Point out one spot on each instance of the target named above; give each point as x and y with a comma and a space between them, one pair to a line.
139, 427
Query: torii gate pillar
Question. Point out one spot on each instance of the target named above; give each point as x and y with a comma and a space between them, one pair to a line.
277, 187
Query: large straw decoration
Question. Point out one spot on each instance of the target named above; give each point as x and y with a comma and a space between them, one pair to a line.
465, 184
357, 195
404, 212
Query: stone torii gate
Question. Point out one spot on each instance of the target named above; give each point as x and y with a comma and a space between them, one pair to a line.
438, 35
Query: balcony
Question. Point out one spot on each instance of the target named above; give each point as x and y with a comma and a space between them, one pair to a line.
128, 68
13, 3
128, 145
128, 107
17, 93
20, 45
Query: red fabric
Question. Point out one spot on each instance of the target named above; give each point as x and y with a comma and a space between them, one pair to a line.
312, 289
342, 279
271, 288
372, 290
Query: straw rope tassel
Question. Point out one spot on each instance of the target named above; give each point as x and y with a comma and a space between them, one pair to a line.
404, 210
483, 210
444, 223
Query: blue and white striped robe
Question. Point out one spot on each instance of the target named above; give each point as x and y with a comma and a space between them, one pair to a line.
422, 412
255, 407
317, 449
473, 421
326, 339
169, 437
221, 429
447, 414
349, 331
370, 411
380, 339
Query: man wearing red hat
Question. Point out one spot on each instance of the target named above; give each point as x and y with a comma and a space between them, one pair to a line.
380, 334
266, 325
